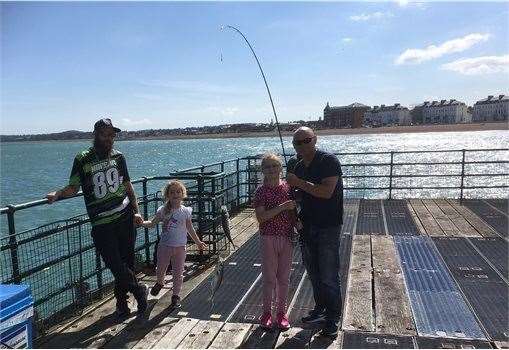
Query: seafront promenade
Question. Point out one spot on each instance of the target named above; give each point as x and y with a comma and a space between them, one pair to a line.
418, 273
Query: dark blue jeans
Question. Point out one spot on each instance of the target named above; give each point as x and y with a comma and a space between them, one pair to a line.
320, 255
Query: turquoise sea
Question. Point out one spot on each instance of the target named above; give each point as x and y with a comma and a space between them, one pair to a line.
31, 169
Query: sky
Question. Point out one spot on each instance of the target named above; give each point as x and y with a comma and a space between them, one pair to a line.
153, 65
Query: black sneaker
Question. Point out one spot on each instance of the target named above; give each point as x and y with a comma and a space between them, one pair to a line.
330, 330
314, 316
175, 302
123, 310
141, 298
156, 289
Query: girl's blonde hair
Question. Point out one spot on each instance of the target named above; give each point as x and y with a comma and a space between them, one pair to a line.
271, 157
169, 185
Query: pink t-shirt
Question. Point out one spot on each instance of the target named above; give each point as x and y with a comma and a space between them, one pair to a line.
270, 197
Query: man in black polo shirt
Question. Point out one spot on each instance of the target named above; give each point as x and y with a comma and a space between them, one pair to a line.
101, 172
318, 177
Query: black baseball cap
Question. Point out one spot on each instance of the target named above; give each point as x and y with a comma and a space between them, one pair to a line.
105, 123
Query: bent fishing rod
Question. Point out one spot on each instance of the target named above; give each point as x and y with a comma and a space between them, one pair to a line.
266, 85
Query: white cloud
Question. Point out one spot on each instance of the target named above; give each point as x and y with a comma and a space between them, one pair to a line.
416, 56
479, 65
130, 122
370, 16
408, 3
347, 40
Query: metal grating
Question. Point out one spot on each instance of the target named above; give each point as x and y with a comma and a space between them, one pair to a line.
240, 271
446, 343
350, 211
491, 305
481, 285
496, 251
356, 340
437, 304
370, 218
493, 217
303, 303
399, 219
463, 260
501, 204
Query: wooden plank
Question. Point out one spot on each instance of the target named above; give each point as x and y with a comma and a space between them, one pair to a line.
392, 306
150, 339
464, 228
445, 224
201, 336
260, 338
417, 222
385, 258
358, 301
231, 336
319, 342
360, 257
176, 334
294, 338
477, 223
430, 225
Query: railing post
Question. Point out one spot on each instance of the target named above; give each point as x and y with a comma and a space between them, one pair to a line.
249, 179
237, 163
462, 174
222, 184
201, 208
145, 216
390, 175
14, 245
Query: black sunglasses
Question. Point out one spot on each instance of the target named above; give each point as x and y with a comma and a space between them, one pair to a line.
303, 141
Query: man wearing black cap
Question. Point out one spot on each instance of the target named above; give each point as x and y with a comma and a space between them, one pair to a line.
112, 208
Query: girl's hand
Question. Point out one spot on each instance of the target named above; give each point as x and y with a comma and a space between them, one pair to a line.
201, 245
138, 219
288, 205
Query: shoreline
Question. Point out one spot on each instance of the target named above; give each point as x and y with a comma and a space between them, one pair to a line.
357, 131
322, 132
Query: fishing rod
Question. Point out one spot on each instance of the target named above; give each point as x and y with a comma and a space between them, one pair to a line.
294, 237
266, 85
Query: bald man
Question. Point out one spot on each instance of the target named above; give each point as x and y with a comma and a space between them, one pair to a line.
318, 176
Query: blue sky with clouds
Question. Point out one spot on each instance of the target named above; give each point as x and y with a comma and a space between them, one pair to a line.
158, 64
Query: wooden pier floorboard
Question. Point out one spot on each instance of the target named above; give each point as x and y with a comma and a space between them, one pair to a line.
376, 302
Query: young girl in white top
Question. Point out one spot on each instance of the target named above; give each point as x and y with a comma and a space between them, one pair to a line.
176, 220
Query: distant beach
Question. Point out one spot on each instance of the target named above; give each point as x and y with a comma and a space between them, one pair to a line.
381, 130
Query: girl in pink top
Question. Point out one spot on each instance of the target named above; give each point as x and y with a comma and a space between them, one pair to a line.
274, 212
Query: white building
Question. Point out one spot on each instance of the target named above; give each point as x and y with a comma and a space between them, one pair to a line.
445, 112
493, 108
387, 115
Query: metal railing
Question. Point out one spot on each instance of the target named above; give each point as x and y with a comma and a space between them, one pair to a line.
60, 263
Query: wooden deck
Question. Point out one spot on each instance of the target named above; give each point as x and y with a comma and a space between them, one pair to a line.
378, 312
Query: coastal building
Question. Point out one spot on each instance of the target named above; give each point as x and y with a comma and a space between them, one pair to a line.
387, 115
491, 109
443, 112
350, 116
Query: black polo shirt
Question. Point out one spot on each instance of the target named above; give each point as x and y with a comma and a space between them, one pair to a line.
315, 211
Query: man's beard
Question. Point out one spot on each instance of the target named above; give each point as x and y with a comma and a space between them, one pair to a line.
103, 150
